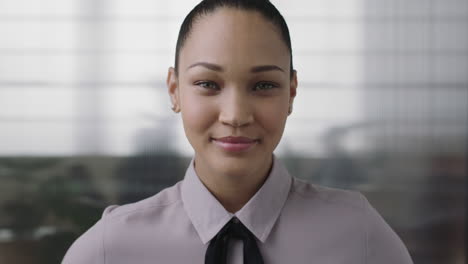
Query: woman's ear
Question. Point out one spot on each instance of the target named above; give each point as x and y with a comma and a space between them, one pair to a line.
173, 89
292, 90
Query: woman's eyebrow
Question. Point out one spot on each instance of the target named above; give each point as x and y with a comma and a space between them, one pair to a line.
210, 66
263, 68
218, 68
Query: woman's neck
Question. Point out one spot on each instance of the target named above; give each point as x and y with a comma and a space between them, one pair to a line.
233, 191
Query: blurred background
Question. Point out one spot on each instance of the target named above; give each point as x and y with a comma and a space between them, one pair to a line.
85, 119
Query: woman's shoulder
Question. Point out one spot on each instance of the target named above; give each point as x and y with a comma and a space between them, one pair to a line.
165, 198
381, 243
335, 196
126, 219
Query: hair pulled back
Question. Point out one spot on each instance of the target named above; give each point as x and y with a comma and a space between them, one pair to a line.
205, 7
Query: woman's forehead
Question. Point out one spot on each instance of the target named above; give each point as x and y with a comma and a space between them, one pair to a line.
236, 36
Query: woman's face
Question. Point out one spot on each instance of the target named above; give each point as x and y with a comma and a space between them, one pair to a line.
233, 90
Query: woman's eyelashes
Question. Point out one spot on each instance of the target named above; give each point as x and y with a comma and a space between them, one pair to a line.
264, 86
207, 85
259, 86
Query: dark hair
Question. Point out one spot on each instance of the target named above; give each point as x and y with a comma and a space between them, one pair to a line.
264, 7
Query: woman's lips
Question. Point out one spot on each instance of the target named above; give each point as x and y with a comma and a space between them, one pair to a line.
235, 144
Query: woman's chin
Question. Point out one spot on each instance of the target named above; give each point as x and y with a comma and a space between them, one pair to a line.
238, 166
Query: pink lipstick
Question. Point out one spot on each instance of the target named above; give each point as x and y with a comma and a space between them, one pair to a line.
235, 144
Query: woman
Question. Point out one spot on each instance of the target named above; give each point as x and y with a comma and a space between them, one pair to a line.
234, 85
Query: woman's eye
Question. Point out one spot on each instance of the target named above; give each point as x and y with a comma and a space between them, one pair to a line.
262, 86
207, 85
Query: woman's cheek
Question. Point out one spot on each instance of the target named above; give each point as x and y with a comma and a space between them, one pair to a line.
198, 113
273, 117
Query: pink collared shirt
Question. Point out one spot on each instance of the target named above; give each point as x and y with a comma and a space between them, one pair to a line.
294, 222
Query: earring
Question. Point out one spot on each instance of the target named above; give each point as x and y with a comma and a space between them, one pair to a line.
290, 109
175, 109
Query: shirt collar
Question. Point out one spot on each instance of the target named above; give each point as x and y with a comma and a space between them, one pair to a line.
259, 215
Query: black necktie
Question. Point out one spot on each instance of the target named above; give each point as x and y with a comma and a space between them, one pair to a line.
217, 250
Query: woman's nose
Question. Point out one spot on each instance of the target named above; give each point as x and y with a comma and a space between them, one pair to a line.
235, 110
